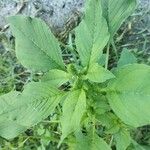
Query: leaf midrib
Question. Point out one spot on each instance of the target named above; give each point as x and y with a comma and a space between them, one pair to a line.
24, 105
36, 45
92, 35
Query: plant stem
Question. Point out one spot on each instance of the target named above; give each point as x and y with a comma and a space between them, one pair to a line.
111, 140
107, 56
55, 121
114, 47
70, 49
65, 46
93, 126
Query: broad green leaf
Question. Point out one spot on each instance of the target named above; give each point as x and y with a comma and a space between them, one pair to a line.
145, 147
119, 11
100, 105
9, 128
97, 73
56, 77
136, 146
36, 46
104, 4
122, 139
97, 143
110, 121
126, 58
89, 143
102, 60
41, 102
22, 111
116, 11
73, 109
91, 34
129, 94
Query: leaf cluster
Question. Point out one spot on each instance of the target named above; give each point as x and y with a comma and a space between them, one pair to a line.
99, 107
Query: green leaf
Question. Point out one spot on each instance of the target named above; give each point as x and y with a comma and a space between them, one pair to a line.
129, 94
22, 111
102, 60
92, 34
110, 121
126, 58
97, 73
56, 77
122, 139
100, 105
89, 143
116, 11
73, 109
137, 146
9, 128
36, 46
98, 143
104, 4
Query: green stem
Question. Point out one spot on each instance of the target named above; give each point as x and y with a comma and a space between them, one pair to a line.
107, 56
99, 89
93, 126
111, 140
65, 46
114, 47
70, 49
55, 121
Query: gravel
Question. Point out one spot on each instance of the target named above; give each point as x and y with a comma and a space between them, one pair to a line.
54, 12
